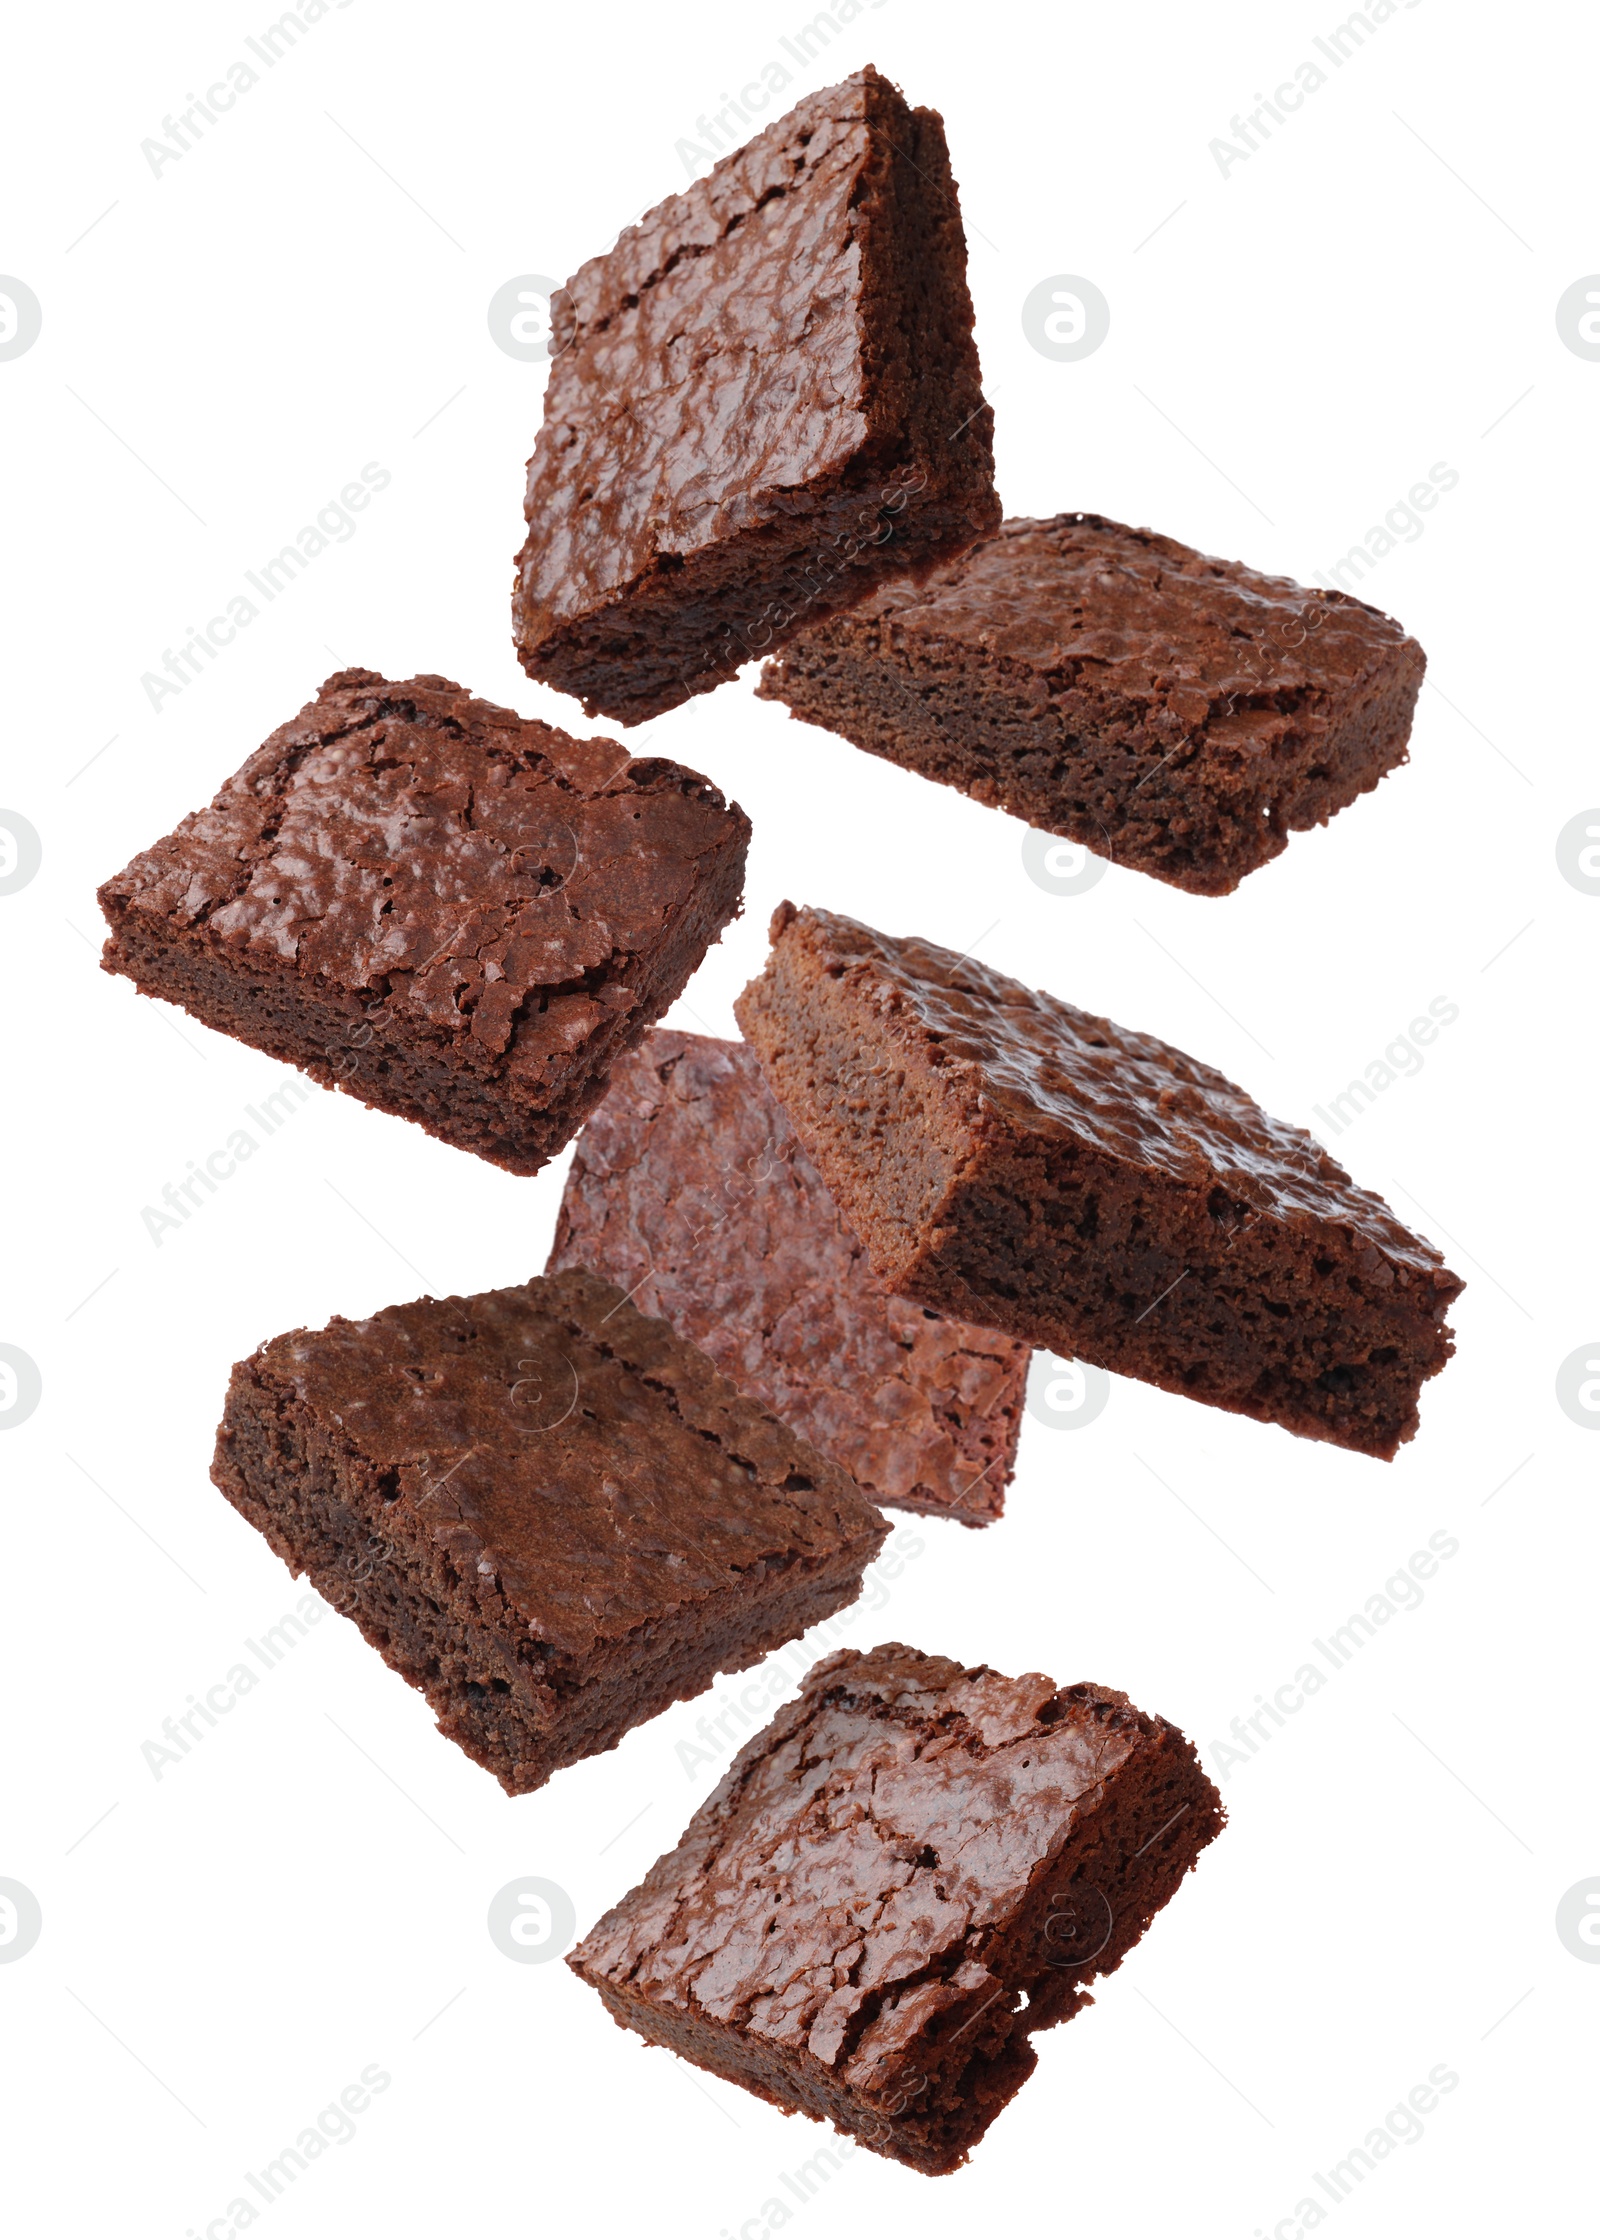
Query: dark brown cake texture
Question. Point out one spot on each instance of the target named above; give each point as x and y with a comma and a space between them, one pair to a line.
1175, 713
1008, 1158
916, 1867
545, 1511
455, 913
689, 1188
762, 399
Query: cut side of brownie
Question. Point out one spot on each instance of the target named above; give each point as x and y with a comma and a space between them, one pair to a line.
1005, 1157
454, 913
545, 1511
1174, 713
762, 399
690, 1189
916, 1867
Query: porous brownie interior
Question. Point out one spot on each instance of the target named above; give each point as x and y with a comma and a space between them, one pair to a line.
1291, 1324
1297, 1320
515, 1705
1091, 764
448, 1084
918, 491
891, 1139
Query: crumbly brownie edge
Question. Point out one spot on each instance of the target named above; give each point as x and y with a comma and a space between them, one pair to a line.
517, 1708
301, 1487
914, 259
685, 631
980, 725
809, 1049
1369, 737
958, 1209
1282, 1321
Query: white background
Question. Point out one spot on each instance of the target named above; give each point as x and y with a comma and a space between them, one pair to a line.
304, 1895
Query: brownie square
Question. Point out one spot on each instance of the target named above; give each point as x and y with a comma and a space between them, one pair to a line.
916, 1867
456, 914
545, 1511
1006, 1157
690, 1189
1175, 713
762, 399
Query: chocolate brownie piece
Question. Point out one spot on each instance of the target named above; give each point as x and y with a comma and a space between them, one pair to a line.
762, 399
547, 1512
690, 1188
458, 915
917, 1866
1179, 714
1006, 1157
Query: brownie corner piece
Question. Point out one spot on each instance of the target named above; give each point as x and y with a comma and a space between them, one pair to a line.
550, 1515
1175, 713
763, 398
457, 914
916, 1867
689, 1188
1011, 1159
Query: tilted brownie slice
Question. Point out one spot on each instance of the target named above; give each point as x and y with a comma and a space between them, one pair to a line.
549, 1514
690, 1189
457, 914
916, 1867
1006, 1157
763, 398
1174, 713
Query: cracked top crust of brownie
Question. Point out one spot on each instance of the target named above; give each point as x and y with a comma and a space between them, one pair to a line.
1050, 1071
864, 1851
1150, 620
689, 1187
711, 368
443, 856
585, 1469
